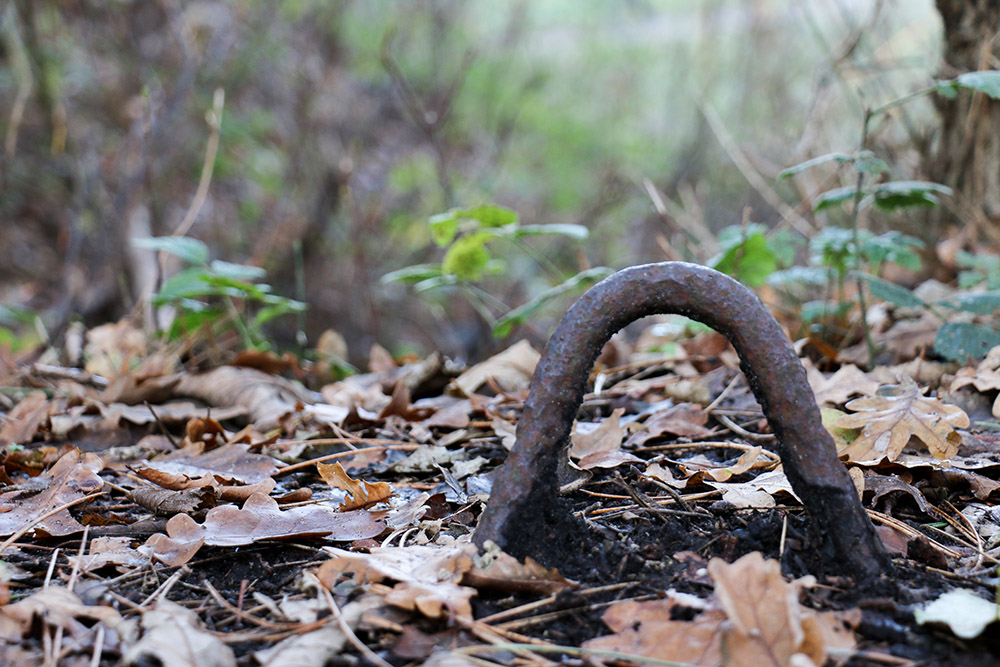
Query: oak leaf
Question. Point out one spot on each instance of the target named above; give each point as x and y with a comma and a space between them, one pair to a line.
899, 412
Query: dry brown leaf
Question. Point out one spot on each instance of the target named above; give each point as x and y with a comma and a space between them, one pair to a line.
61, 608
110, 348
900, 412
647, 629
684, 419
73, 476
849, 380
267, 398
510, 369
173, 635
104, 551
497, 570
985, 377
22, 422
229, 464
605, 437
758, 492
361, 493
428, 577
259, 519
765, 617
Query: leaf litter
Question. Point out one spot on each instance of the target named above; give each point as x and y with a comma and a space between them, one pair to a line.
316, 521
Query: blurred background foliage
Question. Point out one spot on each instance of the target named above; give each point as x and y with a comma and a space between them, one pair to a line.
346, 124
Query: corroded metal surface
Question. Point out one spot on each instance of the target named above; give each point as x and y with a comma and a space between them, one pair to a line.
524, 501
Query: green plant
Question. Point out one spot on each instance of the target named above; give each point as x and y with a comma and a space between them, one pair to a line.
467, 234
18, 328
887, 195
216, 296
831, 256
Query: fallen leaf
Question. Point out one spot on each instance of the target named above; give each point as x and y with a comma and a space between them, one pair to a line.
110, 348
23, 421
266, 398
259, 519
900, 412
605, 436
172, 635
72, 477
849, 380
105, 551
497, 570
229, 464
511, 370
61, 608
648, 629
684, 419
964, 612
758, 492
362, 493
427, 577
985, 377
764, 612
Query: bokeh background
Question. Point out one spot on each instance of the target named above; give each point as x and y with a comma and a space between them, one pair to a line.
346, 124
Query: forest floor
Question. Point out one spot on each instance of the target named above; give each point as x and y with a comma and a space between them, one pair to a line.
261, 512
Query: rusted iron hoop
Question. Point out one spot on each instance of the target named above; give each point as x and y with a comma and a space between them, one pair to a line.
524, 488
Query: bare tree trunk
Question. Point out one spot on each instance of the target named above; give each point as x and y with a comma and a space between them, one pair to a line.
967, 155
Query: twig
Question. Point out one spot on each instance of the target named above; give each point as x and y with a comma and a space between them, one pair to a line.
757, 181
739, 430
369, 654
214, 118
302, 465
531, 606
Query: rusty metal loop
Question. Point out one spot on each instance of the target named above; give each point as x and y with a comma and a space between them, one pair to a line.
523, 508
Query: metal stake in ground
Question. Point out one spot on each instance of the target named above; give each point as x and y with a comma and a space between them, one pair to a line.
524, 512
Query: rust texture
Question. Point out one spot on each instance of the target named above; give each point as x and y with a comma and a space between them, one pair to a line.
524, 512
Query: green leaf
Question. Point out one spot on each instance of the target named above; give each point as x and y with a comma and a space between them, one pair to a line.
868, 163
834, 197
187, 284
578, 232
188, 249
444, 226
15, 315
412, 274
277, 309
893, 247
808, 164
505, 324
986, 82
982, 303
489, 215
899, 194
236, 271
468, 256
811, 276
239, 289
956, 341
947, 89
892, 293
747, 258
435, 283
